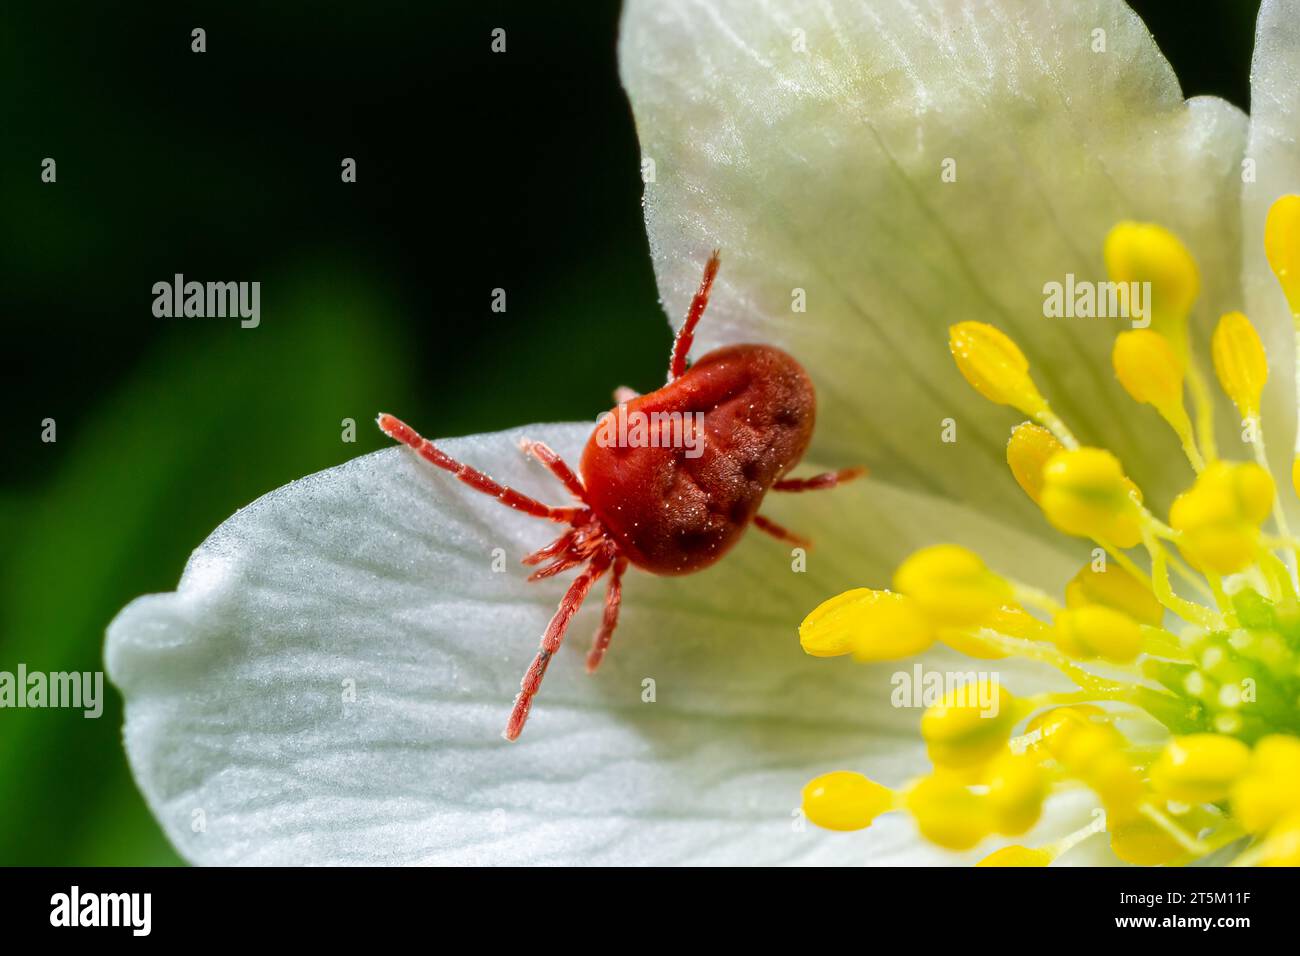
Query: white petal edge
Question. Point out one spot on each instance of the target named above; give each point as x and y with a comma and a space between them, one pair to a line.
1274, 151
821, 171
379, 572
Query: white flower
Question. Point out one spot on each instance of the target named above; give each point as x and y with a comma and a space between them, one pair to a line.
328, 682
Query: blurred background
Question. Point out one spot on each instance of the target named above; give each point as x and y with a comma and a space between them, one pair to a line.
475, 171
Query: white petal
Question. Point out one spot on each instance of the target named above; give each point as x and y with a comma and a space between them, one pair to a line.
379, 572
1274, 149
821, 170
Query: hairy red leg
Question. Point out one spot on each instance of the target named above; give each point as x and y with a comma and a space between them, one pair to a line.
552, 550
623, 395
400, 431
551, 570
768, 526
543, 453
613, 600
827, 479
686, 334
562, 551
551, 639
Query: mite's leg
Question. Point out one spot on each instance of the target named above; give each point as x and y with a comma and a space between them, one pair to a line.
551, 639
400, 431
623, 395
543, 453
686, 334
827, 479
613, 600
768, 526
552, 550
560, 553
562, 563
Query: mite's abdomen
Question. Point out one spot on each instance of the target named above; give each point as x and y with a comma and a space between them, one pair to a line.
675, 511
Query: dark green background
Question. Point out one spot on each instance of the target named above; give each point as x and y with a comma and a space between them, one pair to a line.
475, 171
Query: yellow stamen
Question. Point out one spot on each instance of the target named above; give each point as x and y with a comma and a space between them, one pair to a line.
1152, 373
1189, 611
871, 625
843, 800
1005, 620
969, 725
1114, 588
1017, 856
951, 585
1240, 362
1220, 515
1085, 492
1028, 451
1097, 631
1146, 252
1199, 768
1048, 730
1045, 855
949, 813
995, 366
1017, 787
1144, 842
1282, 847
1270, 788
1282, 247
1095, 754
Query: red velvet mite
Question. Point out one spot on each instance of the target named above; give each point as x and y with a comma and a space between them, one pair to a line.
667, 507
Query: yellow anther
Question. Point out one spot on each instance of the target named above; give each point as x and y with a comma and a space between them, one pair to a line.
995, 366
1028, 451
870, 625
1050, 729
1017, 788
1098, 631
845, 801
1017, 856
1114, 588
951, 585
1282, 848
1270, 788
1282, 246
1149, 370
1143, 843
1145, 252
1016, 622
1095, 754
1075, 736
1152, 373
1085, 492
1295, 474
948, 813
969, 725
1199, 768
1220, 515
1240, 362
1011, 621
971, 645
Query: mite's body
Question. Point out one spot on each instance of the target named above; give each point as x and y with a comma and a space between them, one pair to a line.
666, 508
673, 514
